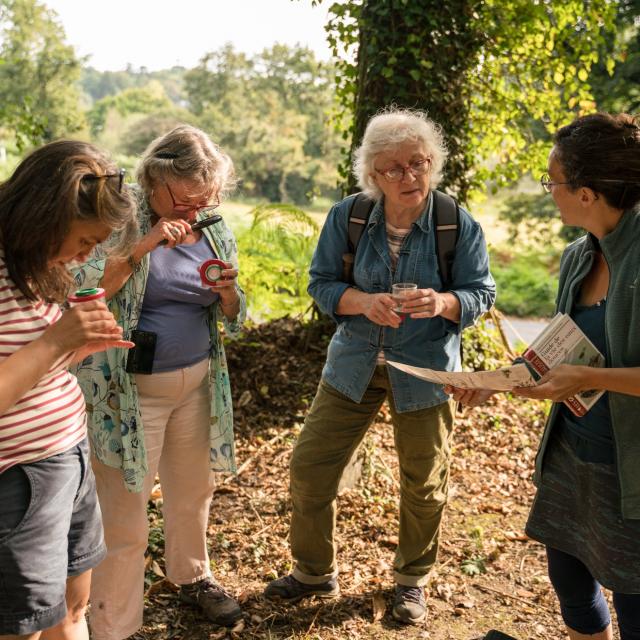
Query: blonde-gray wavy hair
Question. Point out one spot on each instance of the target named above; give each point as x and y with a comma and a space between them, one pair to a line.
390, 129
186, 153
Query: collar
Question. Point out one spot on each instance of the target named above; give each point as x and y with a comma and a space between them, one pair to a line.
423, 221
619, 241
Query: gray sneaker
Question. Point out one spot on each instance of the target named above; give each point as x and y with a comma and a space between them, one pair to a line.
292, 590
409, 605
216, 603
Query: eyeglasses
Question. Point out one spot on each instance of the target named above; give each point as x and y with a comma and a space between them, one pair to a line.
181, 207
546, 182
119, 175
397, 173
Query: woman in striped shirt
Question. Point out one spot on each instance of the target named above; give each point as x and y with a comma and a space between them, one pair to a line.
61, 201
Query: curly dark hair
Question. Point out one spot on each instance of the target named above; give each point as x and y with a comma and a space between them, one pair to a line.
602, 151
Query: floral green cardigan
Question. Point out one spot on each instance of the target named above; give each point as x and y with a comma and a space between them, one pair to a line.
115, 425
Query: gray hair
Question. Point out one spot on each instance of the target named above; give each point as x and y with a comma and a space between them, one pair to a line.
186, 153
390, 129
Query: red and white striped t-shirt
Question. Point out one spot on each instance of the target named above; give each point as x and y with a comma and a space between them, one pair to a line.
50, 417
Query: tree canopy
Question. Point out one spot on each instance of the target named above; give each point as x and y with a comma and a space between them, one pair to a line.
38, 74
498, 75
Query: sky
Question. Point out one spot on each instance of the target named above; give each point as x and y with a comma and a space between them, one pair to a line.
159, 34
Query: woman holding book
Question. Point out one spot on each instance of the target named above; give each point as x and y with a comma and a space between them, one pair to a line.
587, 508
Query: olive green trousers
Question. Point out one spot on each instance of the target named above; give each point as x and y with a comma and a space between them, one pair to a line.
333, 429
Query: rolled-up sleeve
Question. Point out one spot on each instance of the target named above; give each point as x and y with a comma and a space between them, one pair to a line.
325, 273
473, 283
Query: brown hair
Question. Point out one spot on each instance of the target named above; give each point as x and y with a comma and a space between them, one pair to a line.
51, 188
602, 151
186, 153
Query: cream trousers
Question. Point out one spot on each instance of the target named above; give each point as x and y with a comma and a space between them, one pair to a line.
175, 414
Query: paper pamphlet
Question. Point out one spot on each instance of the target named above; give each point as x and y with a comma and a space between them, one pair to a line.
503, 379
561, 341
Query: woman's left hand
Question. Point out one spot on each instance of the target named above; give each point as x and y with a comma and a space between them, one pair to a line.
557, 385
423, 303
227, 284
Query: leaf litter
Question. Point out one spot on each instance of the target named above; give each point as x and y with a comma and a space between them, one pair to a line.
275, 368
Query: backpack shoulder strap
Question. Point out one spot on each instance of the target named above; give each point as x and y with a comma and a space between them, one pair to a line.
359, 213
446, 217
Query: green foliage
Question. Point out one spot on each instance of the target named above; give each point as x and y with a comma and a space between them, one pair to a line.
616, 77
275, 253
142, 130
534, 223
483, 348
100, 84
526, 283
38, 72
533, 78
148, 99
270, 112
474, 566
498, 75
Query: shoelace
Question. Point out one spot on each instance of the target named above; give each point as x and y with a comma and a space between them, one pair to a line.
412, 594
208, 586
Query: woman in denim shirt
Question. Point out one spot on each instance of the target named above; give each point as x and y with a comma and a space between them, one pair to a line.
399, 163
175, 420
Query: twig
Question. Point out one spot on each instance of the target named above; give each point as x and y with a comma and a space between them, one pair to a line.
253, 508
387, 468
314, 620
483, 587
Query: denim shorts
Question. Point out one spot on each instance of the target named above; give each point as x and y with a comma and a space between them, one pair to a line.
50, 530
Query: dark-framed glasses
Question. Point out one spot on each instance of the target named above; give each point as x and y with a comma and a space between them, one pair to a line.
547, 183
119, 175
397, 173
182, 207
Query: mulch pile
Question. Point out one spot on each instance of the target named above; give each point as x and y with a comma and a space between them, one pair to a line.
488, 576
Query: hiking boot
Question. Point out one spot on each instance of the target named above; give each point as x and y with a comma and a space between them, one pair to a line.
292, 590
497, 635
409, 605
216, 603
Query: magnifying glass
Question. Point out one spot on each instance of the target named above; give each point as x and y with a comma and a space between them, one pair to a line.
201, 224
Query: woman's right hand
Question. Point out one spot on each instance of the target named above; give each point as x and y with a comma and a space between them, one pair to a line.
377, 308
86, 322
469, 397
173, 231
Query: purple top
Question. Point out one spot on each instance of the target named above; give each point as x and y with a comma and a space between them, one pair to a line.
175, 305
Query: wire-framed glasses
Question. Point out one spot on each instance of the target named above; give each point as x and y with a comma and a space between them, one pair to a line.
182, 207
397, 173
547, 183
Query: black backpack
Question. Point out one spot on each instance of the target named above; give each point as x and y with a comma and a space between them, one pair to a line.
446, 216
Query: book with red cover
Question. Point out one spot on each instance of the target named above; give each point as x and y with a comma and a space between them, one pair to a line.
562, 341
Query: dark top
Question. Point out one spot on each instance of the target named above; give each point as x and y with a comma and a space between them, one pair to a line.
590, 436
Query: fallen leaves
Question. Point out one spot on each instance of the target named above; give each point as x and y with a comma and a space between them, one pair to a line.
274, 378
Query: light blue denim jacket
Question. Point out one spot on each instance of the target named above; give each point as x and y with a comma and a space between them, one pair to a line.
426, 342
